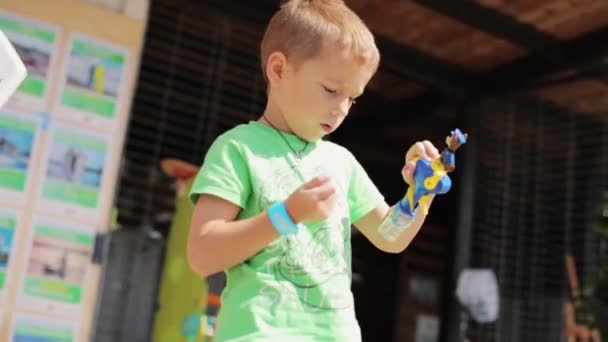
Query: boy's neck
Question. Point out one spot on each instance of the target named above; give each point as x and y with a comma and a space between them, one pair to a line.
272, 117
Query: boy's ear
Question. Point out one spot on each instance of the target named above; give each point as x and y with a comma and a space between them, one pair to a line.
275, 67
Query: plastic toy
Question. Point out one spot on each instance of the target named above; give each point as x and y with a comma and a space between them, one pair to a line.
431, 177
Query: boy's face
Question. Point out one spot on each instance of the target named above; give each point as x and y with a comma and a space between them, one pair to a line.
316, 95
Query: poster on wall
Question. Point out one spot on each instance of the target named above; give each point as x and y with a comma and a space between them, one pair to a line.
74, 174
17, 141
33, 328
92, 82
36, 44
56, 266
8, 226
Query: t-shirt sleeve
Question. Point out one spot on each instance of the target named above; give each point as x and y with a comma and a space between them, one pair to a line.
224, 173
363, 195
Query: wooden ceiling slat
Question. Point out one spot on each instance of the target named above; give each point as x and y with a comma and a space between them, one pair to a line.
481, 56
393, 87
563, 18
588, 97
532, 10
577, 26
439, 36
580, 53
412, 64
498, 24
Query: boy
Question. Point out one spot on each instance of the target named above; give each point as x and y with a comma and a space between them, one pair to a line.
275, 203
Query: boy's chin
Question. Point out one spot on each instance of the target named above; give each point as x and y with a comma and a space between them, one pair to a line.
316, 137
311, 137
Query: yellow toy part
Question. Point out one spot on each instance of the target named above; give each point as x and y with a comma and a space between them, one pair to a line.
424, 204
427, 184
438, 173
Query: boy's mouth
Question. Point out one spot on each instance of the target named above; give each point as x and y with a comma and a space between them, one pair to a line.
326, 127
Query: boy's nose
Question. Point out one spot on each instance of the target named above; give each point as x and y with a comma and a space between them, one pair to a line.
342, 109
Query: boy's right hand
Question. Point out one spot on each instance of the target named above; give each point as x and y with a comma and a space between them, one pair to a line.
313, 201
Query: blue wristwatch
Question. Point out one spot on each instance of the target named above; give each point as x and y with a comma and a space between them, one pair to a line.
277, 213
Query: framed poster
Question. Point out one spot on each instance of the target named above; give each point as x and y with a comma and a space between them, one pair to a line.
18, 135
8, 226
34, 328
93, 82
74, 173
56, 268
36, 44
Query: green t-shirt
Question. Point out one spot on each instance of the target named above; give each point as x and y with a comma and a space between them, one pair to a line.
298, 288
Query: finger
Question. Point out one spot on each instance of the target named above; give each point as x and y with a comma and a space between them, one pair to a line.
316, 182
324, 191
417, 150
430, 150
330, 202
408, 172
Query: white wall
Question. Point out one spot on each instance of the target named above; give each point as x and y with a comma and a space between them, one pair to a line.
137, 9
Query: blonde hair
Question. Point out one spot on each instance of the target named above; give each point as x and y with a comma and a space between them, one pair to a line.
301, 28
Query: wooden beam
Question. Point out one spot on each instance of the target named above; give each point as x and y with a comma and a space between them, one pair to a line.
547, 53
599, 72
578, 54
500, 25
412, 64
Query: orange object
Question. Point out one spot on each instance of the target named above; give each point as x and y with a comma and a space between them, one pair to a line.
178, 169
213, 300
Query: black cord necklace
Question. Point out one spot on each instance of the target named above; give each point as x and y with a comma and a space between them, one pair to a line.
298, 154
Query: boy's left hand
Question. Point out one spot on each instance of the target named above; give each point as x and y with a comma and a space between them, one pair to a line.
423, 149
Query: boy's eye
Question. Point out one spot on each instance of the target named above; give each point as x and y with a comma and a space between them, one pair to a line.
329, 90
352, 100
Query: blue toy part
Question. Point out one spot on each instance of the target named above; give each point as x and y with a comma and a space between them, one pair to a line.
448, 157
191, 326
461, 137
429, 178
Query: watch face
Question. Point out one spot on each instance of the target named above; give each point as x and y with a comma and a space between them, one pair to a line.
12, 69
